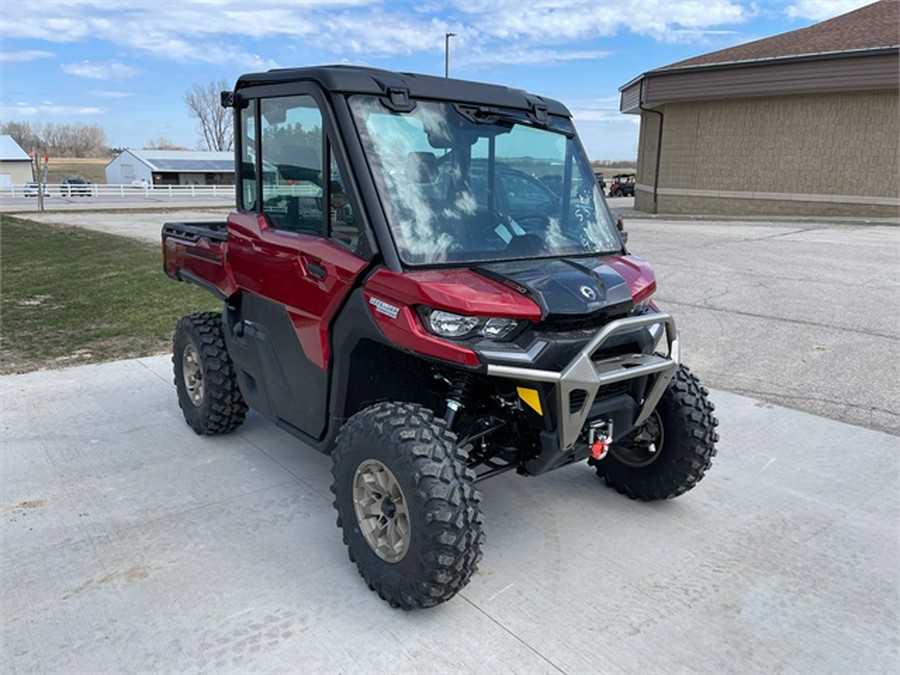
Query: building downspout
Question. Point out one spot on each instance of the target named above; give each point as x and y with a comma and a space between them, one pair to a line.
659, 139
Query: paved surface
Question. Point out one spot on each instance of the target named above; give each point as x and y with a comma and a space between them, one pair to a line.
143, 225
158, 199
131, 545
803, 314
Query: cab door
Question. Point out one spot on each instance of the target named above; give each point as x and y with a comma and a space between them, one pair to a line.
295, 251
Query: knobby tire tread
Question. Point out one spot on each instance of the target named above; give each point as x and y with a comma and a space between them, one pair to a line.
690, 445
447, 547
224, 408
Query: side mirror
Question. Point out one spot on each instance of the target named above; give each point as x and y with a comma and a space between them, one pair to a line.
620, 225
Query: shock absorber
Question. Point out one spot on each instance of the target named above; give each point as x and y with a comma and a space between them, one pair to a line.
456, 397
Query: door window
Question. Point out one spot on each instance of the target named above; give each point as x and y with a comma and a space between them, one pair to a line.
247, 194
291, 145
302, 187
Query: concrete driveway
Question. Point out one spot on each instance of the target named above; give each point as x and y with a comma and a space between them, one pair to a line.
131, 545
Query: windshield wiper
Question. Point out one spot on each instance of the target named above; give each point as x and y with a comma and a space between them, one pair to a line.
488, 115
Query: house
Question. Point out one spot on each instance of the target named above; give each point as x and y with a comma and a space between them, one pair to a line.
171, 167
15, 164
802, 123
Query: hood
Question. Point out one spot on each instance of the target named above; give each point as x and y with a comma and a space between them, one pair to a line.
566, 288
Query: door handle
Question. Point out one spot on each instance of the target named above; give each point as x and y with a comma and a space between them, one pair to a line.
315, 270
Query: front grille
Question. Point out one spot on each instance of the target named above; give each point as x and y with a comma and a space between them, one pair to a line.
581, 322
577, 397
613, 389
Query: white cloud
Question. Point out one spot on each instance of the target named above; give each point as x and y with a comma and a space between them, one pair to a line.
22, 109
105, 93
24, 56
208, 30
480, 57
112, 70
819, 10
563, 20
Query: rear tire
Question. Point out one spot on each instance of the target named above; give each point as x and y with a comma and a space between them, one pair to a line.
670, 453
407, 504
208, 392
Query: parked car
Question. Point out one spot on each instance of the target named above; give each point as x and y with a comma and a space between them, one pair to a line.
75, 187
601, 181
622, 185
32, 189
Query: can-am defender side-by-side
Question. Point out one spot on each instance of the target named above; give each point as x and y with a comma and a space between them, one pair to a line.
422, 278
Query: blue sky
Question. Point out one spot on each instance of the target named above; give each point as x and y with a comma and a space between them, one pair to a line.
126, 65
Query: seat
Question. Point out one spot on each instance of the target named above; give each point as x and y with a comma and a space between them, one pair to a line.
298, 205
300, 163
421, 167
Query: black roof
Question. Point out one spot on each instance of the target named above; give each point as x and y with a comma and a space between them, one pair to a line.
360, 80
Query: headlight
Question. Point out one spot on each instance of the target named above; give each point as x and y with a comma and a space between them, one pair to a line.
447, 324
497, 328
641, 307
450, 325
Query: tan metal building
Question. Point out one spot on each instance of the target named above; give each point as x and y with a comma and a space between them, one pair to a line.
802, 123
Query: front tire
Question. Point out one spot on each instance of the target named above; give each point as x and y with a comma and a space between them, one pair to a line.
208, 392
407, 504
670, 453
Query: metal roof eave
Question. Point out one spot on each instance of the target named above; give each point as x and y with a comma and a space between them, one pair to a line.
627, 91
765, 60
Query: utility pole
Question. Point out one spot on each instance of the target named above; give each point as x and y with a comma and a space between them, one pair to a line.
40, 175
447, 37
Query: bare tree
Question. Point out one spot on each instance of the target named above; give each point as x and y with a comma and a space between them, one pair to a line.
27, 135
59, 140
163, 143
214, 121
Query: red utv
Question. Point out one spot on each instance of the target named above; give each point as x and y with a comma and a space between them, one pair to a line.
400, 290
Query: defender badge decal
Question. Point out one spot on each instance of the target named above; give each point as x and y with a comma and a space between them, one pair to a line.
588, 292
384, 307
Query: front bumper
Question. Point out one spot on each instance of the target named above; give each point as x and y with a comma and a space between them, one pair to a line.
577, 384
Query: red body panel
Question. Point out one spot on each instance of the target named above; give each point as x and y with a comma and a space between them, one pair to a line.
276, 265
455, 290
406, 331
638, 275
203, 258
466, 292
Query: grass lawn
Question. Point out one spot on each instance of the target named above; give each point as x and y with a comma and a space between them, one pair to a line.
67, 167
70, 296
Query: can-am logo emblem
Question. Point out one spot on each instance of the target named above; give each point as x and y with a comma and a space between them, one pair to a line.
588, 292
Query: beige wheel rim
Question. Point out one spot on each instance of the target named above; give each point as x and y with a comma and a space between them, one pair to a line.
381, 511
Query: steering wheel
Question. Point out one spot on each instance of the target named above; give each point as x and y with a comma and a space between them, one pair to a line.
482, 235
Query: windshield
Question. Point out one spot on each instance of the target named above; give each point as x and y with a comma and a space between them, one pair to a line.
464, 184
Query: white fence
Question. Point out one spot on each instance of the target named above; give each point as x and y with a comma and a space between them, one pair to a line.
224, 192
